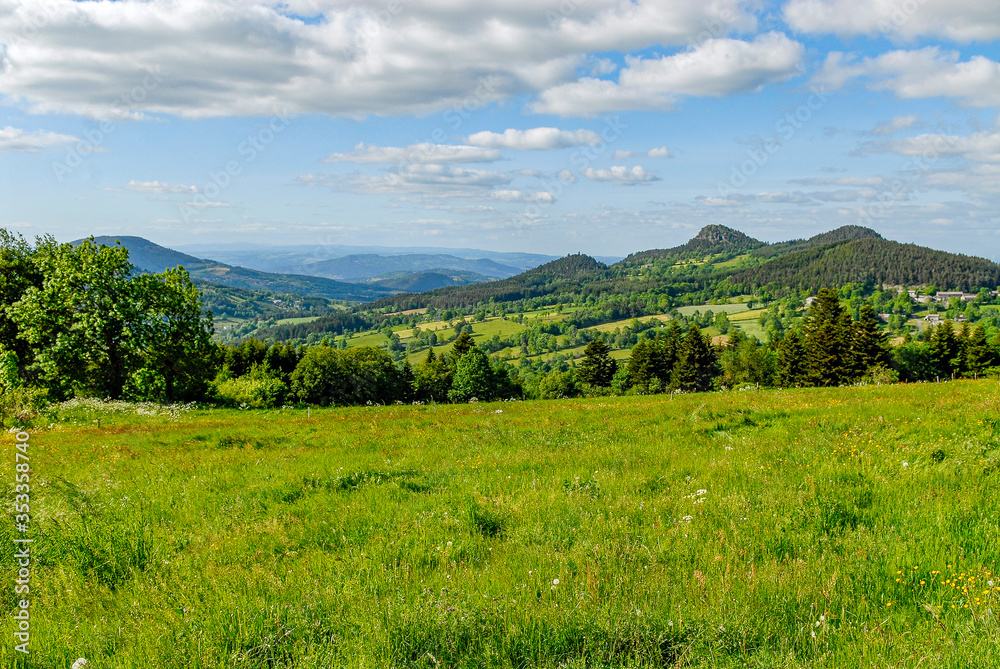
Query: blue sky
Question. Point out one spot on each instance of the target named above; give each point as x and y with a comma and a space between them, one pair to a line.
602, 126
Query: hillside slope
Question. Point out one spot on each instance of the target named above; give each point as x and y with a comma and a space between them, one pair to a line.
875, 261
151, 257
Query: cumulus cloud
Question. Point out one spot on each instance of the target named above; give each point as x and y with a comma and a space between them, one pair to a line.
416, 153
158, 187
959, 20
980, 147
658, 152
623, 176
344, 57
534, 139
522, 196
16, 139
923, 73
715, 68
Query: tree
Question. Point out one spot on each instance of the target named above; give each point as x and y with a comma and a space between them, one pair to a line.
82, 321
432, 379
826, 339
463, 344
174, 335
319, 377
868, 344
979, 355
598, 367
696, 362
790, 367
946, 350
474, 378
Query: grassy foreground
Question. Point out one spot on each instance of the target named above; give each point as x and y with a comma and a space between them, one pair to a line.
853, 527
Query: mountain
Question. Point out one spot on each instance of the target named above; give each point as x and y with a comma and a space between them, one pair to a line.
711, 240
150, 257
420, 282
297, 258
367, 266
566, 274
874, 261
842, 234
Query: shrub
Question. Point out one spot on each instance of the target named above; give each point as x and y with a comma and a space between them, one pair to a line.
260, 388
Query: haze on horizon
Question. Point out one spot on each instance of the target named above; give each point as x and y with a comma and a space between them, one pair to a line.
603, 126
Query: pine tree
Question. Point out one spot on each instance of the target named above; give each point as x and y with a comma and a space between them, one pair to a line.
979, 355
826, 338
791, 361
598, 367
868, 344
463, 344
946, 350
696, 362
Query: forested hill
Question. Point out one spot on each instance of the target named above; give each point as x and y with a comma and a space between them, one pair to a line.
842, 234
873, 261
710, 240
563, 275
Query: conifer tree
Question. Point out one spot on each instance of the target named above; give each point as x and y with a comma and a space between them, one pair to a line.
826, 337
696, 362
598, 367
868, 344
946, 350
791, 361
979, 355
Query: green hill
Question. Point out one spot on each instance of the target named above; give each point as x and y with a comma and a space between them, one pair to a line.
873, 261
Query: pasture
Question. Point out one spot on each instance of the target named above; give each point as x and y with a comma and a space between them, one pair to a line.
849, 527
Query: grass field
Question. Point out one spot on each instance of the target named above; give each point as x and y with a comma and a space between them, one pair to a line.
852, 527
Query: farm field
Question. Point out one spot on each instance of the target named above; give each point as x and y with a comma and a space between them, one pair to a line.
850, 527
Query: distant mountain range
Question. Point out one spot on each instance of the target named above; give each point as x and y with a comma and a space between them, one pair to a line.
431, 277
151, 257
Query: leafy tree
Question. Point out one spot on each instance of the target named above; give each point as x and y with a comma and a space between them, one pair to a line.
173, 334
432, 379
598, 367
474, 378
557, 384
82, 321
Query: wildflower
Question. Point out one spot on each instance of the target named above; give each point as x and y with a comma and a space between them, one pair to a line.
555, 581
81, 663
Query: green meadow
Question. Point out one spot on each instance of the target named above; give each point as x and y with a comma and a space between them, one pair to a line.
849, 527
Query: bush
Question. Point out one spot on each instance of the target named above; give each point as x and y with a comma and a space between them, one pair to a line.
260, 388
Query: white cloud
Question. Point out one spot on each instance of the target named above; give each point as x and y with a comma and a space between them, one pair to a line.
895, 124
158, 187
959, 20
16, 139
522, 196
207, 204
715, 68
658, 152
416, 153
980, 147
343, 57
534, 139
423, 180
923, 73
623, 176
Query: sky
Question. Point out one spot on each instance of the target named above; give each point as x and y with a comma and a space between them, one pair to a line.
550, 126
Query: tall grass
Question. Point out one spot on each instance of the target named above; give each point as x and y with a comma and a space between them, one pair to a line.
843, 528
